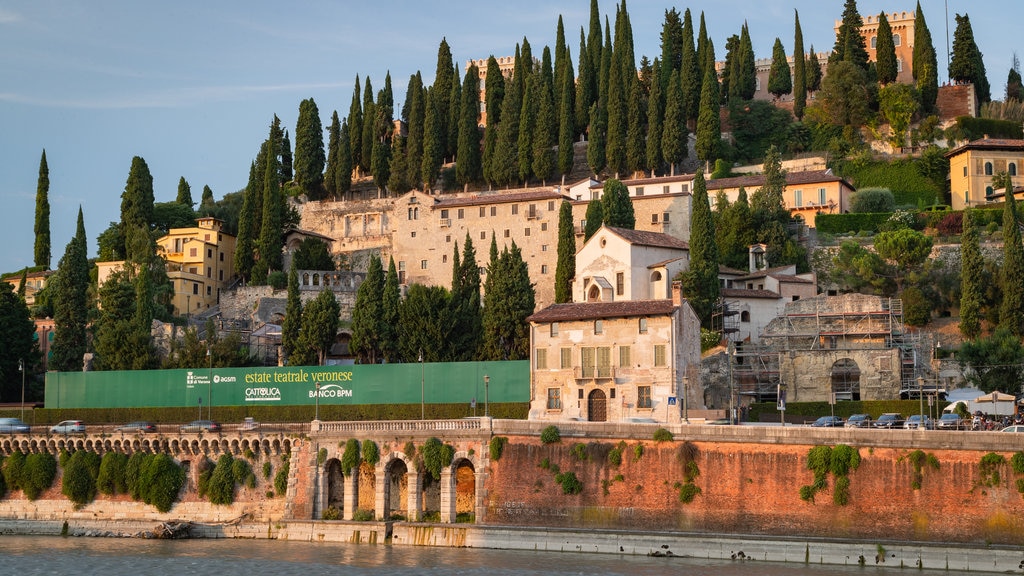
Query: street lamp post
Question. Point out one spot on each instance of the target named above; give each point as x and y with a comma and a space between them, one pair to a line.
422, 393
21, 368
487, 382
209, 381
316, 414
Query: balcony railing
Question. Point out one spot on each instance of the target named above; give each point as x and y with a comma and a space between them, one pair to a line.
593, 372
445, 222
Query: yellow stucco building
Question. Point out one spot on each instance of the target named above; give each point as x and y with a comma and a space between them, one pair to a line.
972, 166
200, 263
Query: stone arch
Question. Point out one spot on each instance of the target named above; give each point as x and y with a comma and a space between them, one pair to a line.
845, 379
656, 282
334, 480
396, 486
465, 487
597, 406
594, 294
366, 489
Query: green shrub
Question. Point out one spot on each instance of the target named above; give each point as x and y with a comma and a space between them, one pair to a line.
868, 200
436, 456
410, 449
351, 458
267, 469
841, 491
14, 466
133, 474
278, 280
3, 483
79, 482
331, 513
550, 435
371, 454
221, 488
687, 491
241, 471
569, 482
497, 447
62, 457
990, 466
579, 451
615, 455
662, 435
281, 479
321, 456
843, 460
249, 454
38, 474
361, 515
163, 479
638, 452
111, 480
1017, 462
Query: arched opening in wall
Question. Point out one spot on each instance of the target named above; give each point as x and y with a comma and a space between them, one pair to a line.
396, 490
465, 491
594, 294
597, 406
367, 489
846, 379
657, 292
430, 497
335, 486
186, 467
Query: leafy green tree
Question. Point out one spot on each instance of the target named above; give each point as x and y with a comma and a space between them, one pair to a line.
926, 65
427, 325
42, 225
616, 206
18, 350
469, 168
700, 282
594, 218
1014, 85
390, 322
565, 270
121, 342
1011, 311
971, 281
849, 42
168, 215
994, 363
709, 127
309, 150
967, 65
885, 52
367, 314
814, 74
771, 218
313, 254
319, 329
756, 125
137, 208
799, 69
857, 269
898, 104
292, 314
674, 136
905, 250
333, 151
844, 96
779, 81
734, 231
877, 200
70, 304
508, 300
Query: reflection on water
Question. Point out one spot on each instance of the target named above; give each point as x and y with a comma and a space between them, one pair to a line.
39, 555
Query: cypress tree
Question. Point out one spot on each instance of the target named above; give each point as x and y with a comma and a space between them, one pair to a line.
636, 150
813, 71
967, 65
674, 135
466, 312
616, 207
390, 304
689, 72
380, 162
207, 202
1011, 312
972, 267
799, 70
586, 91
343, 177
746, 81
454, 109
779, 81
508, 301
700, 282
468, 168
849, 42
671, 47
184, 194
137, 211
1014, 85
494, 87
70, 304
292, 314
269, 245
367, 314
562, 62
309, 150
42, 225
615, 142
506, 158
430, 166
333, 152
594, 50
355, 126
529, 123
709, 127
926, 66
543, 147
398, 180
885, 52
596, 148
368, 127
444, 78
284, 147
23, 284
594, 218
702, 47
320, 325
565, 270
655, 118
252, 203
730, 69
566, 124
603, 77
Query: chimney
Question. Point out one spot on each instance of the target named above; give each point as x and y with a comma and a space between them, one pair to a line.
677, 292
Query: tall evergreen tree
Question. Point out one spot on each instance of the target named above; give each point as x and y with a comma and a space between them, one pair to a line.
430, 166
730, 68
285, 158
508, 301
466, 314
415, 118
1011, 312
926, 66
245, 245
543, 146
269, 244
734, 230
292, 323
636, 145
42, 226
849, 42
17, 345
700, 282
653, 158
494, 87
390, 304
333, 156
594, 49
594, 218
586, 90
671, 47
885, 52
566, 124
454, 110
309, 150
596, 147
967, 65
702, 47
319, 326
562, 62
565, 270
366, 138
779, 81
813, 71
616, 206
343, 177
207, 202
506, 158
355, 126
70, 304
383, 126
136, 207
972, 265
799, 69
689, 72
709, 126
746, 79
469, 168
674, 136
367, 315
444, 79
184, 194
1014, 85
529, 124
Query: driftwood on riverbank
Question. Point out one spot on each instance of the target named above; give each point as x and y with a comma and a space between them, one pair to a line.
169, 531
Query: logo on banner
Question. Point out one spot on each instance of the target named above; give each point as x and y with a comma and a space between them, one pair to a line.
331, 391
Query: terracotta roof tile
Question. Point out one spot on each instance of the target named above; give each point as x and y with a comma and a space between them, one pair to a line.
500, 198
597, 310
644, 238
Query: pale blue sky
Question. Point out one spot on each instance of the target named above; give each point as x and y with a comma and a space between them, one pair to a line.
192, 86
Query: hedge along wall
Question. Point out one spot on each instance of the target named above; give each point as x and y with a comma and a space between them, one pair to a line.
375, 384
850, 223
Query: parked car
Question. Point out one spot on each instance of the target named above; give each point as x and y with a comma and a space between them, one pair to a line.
916, 421
1014, 428
68, 427
828, 422
13, 426
140, 426
201, 426
248, 424
859, 421
951, 422
889, 420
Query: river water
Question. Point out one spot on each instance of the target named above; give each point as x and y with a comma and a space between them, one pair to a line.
53, 555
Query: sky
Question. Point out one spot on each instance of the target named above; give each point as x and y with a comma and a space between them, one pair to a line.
192, 87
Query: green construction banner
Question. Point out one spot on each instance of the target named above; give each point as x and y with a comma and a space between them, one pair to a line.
359, 384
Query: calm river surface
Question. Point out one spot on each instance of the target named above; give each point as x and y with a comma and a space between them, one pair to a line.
52, 555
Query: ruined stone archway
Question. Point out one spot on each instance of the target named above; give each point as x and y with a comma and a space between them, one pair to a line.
597, 406
845, 379
396, 489
335, 480
465, 490
366, 491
